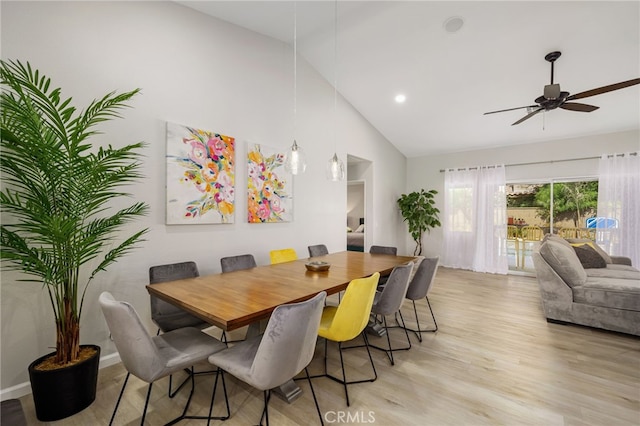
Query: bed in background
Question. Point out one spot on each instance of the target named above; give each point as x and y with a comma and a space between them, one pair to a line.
355, 238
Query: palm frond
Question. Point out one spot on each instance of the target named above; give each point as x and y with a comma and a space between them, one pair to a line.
58, 188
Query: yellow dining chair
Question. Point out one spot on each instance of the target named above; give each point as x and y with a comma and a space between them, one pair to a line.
283, 255
347, 320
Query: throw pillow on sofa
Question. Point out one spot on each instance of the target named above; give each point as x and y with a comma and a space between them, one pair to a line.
589, 257
581, 241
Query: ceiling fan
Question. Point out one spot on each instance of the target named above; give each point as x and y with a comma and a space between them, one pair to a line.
553, 97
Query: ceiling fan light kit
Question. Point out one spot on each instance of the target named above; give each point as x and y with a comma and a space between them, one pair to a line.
552, 91
553, 97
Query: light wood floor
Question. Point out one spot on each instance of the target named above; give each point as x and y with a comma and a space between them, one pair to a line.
494, 360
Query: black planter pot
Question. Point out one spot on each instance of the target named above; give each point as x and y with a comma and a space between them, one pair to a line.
64, 392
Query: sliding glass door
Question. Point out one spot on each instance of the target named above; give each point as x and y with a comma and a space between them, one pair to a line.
564, 207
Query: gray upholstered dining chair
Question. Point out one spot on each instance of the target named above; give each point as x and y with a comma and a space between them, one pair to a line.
237, 263
419, 288
169, 317
389, 301
321, 250
152, 358
165, 315
383, 250
275, 357
317, 250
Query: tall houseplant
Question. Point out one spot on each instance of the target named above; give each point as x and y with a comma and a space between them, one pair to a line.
58, 227
419, 211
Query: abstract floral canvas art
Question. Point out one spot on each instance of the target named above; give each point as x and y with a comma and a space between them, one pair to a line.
200, 176
269, 186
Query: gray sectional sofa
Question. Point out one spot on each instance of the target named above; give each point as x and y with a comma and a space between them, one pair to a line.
606, 297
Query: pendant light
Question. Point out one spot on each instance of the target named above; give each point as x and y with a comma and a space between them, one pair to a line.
335, 167
295, 160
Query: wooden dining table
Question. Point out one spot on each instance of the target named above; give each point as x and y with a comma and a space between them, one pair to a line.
232, 300
235, 299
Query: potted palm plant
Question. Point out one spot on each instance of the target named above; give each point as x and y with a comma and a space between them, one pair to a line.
58, 228
419, 211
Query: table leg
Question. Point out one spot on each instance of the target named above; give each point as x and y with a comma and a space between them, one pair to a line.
256, 328
375, 329
289, 391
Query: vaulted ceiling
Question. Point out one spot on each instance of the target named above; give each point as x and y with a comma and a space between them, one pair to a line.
494, 61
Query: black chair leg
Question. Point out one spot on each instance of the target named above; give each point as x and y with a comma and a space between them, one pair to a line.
343, 380
404, 327
146, 404
366, 343
344, 374
170, 393
418, 331
432, 316
224, 339
389, 350
313, 393
124, 385
220, 373
173, 393
186, 407
326, 343
265, 412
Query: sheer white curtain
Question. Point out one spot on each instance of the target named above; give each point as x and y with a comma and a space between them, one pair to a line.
619, 198
475, 220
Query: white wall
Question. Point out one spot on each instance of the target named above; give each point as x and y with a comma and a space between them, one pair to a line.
424, 172
199, 71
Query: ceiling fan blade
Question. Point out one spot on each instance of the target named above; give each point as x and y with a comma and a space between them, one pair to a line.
511, 109
604, 89
574, 106
528, 116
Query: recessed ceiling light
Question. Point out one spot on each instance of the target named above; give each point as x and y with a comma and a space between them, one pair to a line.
400, 98
453, 24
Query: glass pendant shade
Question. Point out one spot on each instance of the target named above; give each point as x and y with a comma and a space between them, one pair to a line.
295, 161
335, 168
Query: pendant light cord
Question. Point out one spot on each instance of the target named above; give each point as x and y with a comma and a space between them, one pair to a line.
295, 161
335, 78
295, 66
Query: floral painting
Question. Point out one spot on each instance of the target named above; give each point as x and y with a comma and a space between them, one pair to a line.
269, 186
200, 176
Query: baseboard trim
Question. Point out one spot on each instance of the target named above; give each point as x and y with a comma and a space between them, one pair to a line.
23, 389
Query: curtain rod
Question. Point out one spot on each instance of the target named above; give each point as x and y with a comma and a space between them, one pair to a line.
540, 162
